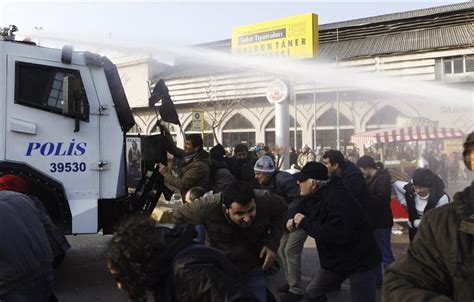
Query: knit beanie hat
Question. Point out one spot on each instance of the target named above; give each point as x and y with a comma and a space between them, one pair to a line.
265, 165
14, 183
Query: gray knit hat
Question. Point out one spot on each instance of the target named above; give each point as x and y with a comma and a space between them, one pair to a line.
265, 165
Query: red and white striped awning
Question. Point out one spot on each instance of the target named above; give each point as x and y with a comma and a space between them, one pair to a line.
389, 135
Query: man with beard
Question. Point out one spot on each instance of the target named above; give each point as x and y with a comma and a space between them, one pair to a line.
439, 265
243, 163
195, 171
245, 224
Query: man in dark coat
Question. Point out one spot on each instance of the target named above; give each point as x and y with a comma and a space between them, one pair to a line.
25, 255
378, 207
351, 175
143, 257
345, 243
220, 173
243, 163
245, 224
439, 265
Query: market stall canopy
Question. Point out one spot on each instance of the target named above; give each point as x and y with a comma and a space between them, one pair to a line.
408, 134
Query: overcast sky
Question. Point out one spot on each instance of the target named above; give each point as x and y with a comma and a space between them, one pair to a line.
184, 23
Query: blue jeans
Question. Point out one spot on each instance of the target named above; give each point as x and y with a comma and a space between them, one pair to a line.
362, 285
383, 238
256, 283
201, 236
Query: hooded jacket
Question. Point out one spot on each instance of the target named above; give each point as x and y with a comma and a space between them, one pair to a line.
220, 175
354, 180
439, 265
436, 193
379, 210
336, 220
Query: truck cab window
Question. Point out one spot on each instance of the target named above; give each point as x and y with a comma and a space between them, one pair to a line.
41, 87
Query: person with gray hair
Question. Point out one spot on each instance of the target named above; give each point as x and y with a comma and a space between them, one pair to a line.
345, 242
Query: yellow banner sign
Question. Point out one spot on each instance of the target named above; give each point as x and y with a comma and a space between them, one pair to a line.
295, 37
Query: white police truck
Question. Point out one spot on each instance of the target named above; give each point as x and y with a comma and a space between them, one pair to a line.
63, 119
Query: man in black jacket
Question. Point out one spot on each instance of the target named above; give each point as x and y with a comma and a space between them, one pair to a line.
346, 246
242, 165
143, 257
351, 175
380, 213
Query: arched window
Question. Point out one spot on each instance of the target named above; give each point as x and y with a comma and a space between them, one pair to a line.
326, 130
270, 139
384, 118
329, 119
238, 130
208, 136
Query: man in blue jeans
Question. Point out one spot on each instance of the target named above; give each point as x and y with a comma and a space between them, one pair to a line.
378, 208
245, 224
345, 242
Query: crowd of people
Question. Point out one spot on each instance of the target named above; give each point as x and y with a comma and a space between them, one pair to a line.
243, 218
256, 218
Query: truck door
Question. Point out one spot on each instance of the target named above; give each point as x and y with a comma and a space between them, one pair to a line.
40, 134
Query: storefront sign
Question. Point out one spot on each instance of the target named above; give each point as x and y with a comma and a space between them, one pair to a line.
295, 37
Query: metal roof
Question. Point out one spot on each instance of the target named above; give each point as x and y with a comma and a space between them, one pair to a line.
438, 38
400, 16
440, 27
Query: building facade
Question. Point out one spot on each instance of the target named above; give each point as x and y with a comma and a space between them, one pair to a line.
434, 45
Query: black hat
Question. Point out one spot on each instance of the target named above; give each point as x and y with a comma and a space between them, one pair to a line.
366, 162
217, 152
313, 170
